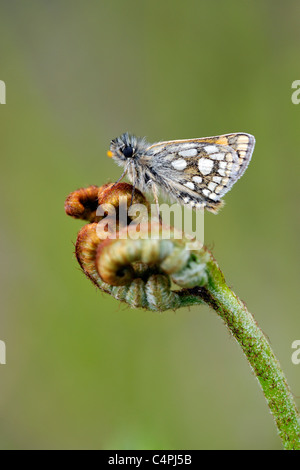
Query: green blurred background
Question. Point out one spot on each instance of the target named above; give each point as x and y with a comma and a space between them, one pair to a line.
83, 371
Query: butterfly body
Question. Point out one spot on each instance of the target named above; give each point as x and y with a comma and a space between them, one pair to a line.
193, 172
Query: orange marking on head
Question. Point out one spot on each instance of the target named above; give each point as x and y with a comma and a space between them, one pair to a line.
109, 154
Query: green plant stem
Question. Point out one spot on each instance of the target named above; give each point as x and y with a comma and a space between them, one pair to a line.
258, 353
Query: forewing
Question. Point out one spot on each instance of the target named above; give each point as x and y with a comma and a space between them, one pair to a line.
205, 168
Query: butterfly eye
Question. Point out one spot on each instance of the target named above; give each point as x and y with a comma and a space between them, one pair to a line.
127, 151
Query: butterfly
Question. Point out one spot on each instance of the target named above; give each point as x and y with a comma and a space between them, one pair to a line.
193, 172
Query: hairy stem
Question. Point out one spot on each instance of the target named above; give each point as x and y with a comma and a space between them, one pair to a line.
258, 353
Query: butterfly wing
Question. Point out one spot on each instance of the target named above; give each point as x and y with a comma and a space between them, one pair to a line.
199, 172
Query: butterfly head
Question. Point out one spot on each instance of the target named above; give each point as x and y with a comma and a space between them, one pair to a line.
125, 148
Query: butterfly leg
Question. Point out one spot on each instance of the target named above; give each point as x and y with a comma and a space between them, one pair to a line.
132, 195
121, 177
155, 194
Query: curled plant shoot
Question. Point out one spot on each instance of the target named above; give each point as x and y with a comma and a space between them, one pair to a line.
161, 273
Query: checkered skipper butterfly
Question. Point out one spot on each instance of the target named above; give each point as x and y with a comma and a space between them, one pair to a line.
193, 172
